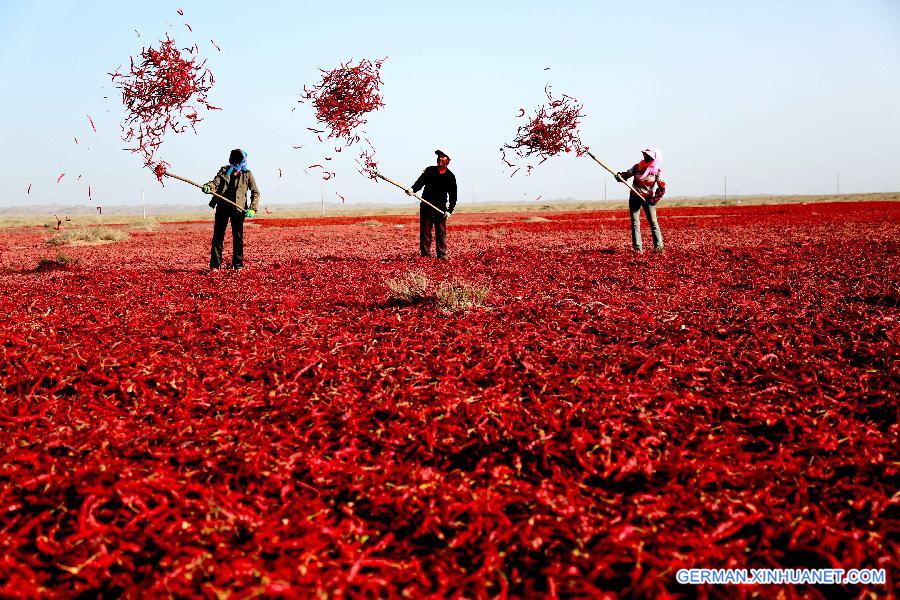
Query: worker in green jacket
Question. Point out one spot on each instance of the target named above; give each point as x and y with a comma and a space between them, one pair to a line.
232, 181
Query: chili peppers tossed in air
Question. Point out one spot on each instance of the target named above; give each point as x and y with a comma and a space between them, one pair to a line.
552, 130
162, 91
367, 164
345, 96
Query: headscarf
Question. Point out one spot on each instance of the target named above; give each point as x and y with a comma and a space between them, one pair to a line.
648, 169
240, 167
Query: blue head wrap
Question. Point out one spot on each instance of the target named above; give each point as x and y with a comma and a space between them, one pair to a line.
238, 168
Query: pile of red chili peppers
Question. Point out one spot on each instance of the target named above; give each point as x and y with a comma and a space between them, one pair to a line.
162, 91
552, 130
605, 421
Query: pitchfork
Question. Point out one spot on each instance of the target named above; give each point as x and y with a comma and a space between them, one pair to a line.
616, 175
195, 184
411, 193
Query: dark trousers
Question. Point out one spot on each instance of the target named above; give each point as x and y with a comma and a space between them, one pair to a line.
224, 213
430, 219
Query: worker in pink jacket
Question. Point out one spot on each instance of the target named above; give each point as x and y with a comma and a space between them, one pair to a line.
649, 183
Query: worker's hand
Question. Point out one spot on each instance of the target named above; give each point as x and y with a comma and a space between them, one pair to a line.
448, 213
619, 178
249, 213
212, 203
207, 189
409, 192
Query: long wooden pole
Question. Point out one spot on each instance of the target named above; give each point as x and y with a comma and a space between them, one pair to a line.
195, 184
616, 175
414, 195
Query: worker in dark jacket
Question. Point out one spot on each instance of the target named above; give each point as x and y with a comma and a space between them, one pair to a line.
232, 181
440, 190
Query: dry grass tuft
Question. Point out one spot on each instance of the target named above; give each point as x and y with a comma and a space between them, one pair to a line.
459, 295
537, 220
89, 235
451, 296
371, 223
148, 225
62, 261
408, 289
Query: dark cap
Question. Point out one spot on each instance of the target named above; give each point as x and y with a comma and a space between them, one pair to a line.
440, 153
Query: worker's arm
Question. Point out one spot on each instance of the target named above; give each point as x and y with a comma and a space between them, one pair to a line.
254, 193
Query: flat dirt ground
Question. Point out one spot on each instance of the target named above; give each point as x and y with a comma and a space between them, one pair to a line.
602, 421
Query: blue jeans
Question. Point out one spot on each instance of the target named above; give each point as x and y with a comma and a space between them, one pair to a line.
634, 206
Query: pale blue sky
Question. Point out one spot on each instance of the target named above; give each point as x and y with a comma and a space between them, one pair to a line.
778, 95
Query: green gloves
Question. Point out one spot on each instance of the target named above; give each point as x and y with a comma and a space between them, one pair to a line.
207, 189
249, 213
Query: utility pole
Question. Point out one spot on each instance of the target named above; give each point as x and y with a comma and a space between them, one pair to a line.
322, 196
473, 191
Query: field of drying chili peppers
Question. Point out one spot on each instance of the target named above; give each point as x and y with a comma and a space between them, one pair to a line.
604, 421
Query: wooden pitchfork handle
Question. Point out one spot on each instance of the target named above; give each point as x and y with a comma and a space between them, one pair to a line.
195, 184
616, 175
414, 195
